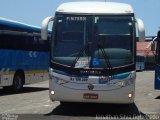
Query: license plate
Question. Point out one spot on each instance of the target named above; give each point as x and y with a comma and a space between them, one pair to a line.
90, 96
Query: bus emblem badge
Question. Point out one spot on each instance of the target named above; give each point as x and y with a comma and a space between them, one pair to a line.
90, 87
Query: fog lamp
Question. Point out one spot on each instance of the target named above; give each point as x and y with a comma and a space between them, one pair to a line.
52, 92
130, 95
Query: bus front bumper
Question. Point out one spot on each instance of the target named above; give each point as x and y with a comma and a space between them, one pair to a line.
124, 95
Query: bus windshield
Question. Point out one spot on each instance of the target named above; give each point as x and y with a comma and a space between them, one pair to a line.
82, 41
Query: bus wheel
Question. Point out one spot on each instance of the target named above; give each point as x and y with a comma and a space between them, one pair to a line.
17, 83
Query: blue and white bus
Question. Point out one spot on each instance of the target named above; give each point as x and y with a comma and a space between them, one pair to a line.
24, 57
93, 52
140, 62
157, 67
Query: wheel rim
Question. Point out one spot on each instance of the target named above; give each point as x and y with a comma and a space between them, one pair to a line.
18, 83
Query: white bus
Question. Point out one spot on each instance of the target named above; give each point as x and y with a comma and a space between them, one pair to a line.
93, 52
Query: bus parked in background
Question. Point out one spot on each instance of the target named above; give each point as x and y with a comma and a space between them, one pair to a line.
157, 66
140, 62
93, 52
24, 57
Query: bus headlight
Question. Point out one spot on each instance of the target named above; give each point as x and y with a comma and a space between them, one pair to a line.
57, 80
124, 82
133, 75
121, 83
60, 81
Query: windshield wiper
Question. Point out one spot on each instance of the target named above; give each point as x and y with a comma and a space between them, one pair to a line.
106, 58
81, 52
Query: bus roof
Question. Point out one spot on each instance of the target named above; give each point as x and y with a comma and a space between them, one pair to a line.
95, 8
12, 23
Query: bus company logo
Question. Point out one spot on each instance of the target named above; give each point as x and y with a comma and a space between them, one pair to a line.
92, 72
90, 87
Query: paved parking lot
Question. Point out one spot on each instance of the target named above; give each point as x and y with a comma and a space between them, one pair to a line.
33, 103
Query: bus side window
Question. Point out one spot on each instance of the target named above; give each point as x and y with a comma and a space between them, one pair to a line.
18, 42
2, 40
35, 43
43, 45
7, 41
29, 43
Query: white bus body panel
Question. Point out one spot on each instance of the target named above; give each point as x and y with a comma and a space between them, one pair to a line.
74, 91
95, 8
6, 78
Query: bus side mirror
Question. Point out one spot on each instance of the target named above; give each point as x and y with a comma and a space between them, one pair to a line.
158, 34
141, 29
157, 39
153, 46
44, 27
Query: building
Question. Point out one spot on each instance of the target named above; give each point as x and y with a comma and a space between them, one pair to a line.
148, 51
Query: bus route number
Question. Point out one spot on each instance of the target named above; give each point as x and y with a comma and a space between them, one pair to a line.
76, 18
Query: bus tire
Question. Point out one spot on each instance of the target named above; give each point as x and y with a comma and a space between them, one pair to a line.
65, 104
18, 82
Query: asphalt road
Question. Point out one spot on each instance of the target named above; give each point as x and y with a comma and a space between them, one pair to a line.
33, 104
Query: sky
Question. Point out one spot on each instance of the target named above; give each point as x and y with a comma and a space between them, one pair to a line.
34, 11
